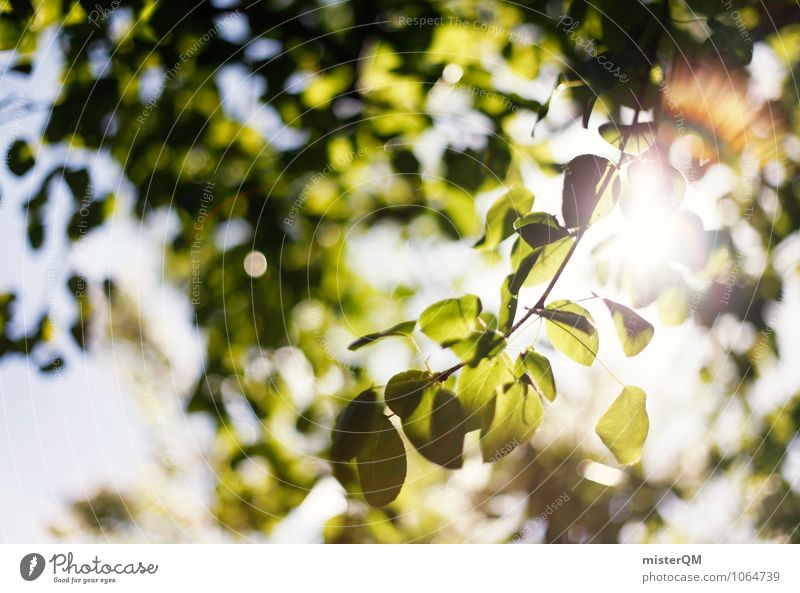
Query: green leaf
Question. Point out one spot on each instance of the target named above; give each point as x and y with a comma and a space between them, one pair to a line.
540, 372
535, 266
517, 414
479, 345
382, 464
508, 304
451, 320
634, 331
354, 425
633, 139
437, 427
591, 185
623, 428
476, 389
20, 158
571, 330
539, 229
405, 328
502, 214
404, 390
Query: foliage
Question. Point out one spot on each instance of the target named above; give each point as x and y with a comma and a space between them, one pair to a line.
354, 88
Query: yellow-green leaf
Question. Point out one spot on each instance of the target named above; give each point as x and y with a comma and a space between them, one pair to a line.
476, 388
633, 330
517, 414
623, 428
451, 320
571, 330
540, 372
633, 139
502, 214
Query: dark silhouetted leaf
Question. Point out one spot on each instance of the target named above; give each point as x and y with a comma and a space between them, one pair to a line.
437, 427
539, 229
20, 158
591, 184
354, 424
404, 390
405, 328
382, 464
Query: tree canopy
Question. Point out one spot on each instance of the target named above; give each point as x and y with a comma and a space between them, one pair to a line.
613, 172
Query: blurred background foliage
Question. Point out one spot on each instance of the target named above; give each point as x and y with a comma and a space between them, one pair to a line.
276, 136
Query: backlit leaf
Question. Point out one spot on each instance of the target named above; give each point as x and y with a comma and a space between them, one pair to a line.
539, 265
479, 345
634, 331
517, 414
451, 320
502, 214
571, 330
624, 426
476, 388
635, 138
538, 367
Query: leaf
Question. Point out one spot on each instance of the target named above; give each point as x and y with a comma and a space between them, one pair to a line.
437, 427
624, 426
20, 158
541, 268
539, 229
404, 390
451, 320
354, 425
517, 414
591, 184
633, 139
401, 329
476, 389
502, 214
479, 345
78, 182
571, 330
634, 331
541, 373
382, 464
508, 304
